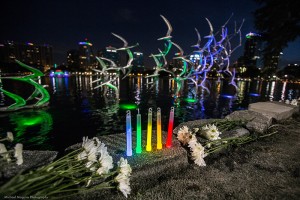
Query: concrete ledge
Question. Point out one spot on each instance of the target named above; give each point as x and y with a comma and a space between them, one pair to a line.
258, 122
32, 159
276, 110
116, 146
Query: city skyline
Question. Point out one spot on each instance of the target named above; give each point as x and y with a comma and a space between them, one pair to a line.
64, 24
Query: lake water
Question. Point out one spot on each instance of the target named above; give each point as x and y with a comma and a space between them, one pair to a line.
76, 110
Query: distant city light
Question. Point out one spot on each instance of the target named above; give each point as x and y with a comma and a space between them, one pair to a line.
138, 53
85, 43
254, 94
227, 96
249, 35
29, 43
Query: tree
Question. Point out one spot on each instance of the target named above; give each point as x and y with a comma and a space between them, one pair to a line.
279, 23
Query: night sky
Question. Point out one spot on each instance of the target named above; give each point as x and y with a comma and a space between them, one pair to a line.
63, 23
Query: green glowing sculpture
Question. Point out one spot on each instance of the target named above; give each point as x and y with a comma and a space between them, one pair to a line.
19, 101
40, 93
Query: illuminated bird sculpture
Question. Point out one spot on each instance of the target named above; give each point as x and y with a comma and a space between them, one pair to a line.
110, 73
130, 55
213, 54
40, 93
160, 58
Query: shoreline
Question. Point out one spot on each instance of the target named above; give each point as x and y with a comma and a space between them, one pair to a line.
265, 169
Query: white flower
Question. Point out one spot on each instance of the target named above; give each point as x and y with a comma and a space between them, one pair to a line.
2, 148
183, 130
287, 101
82, 155
18, 153
124, 187
124, 167
294, 102
196, 130
105, 161
198, 153
4, 152
89, 164
10, 136
92, 154
93, 168
211, 132
208, 145
88, 144
89, 182
123, 177
184, 135
89, 150
193, 141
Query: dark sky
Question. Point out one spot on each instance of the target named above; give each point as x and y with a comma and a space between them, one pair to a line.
63, 23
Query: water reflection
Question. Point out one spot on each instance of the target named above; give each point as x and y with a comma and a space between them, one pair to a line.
283, 91
271, 95
32, 127
78, 110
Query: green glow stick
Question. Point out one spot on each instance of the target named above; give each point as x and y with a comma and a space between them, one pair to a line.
138, 133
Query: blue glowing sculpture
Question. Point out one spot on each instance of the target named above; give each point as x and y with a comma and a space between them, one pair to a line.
213, 54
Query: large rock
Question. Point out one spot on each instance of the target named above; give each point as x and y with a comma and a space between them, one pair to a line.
256, 121
31, 160
276, 110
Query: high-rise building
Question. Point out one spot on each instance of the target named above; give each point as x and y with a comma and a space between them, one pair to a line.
271, 62
40, 56
73, 60
110, 53
195, 57
138, 62
252, 51
86, 56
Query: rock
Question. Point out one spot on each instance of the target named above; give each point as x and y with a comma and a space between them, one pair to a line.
31, 160
276, 110
257, 122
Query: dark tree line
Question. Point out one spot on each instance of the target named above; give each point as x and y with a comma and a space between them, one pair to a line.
279, 23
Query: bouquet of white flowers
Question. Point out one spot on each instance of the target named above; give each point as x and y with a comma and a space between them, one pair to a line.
84, 169
6, 155
213, 143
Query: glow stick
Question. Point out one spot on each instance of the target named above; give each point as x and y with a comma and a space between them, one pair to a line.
128, 134
149, 131
138, 133
158, 131
170, 128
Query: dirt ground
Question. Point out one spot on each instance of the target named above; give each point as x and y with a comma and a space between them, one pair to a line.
265, 169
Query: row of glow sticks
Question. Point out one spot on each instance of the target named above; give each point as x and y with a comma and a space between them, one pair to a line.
159, 145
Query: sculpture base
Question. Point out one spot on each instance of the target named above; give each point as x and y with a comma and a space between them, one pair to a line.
7, 109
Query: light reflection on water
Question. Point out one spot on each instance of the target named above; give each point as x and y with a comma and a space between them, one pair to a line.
76, 110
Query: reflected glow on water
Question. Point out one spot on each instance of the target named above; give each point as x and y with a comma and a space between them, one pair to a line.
271, 96
76, 110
